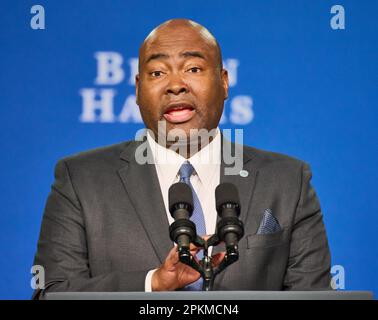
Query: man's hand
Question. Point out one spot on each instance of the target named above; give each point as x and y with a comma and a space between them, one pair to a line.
174, 274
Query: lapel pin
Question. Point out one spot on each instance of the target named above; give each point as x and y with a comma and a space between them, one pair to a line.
244, 173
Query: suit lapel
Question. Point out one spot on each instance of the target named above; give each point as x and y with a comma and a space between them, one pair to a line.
143, 188
245, 186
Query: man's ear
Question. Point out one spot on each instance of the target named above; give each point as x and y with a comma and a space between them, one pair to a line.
224, 75
137, 88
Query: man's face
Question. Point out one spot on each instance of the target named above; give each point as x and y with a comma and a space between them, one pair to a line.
180, 81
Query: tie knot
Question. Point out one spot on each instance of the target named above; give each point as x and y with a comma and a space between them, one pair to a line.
186, 170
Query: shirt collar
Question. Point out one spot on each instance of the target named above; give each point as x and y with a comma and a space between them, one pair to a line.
205, 162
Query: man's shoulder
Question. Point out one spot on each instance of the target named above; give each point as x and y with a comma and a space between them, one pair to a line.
265, 158
105, 155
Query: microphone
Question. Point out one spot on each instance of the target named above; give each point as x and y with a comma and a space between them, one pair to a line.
229, 229
182, 231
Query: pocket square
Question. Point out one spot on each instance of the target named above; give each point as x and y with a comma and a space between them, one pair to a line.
269, 223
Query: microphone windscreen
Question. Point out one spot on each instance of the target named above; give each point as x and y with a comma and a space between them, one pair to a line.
179, 193
226, 193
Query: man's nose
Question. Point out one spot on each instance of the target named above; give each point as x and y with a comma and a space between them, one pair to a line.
176, 85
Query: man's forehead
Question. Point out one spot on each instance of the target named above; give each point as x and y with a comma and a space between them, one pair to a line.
176, 48
177, 41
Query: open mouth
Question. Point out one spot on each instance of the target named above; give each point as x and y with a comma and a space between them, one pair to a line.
179, 113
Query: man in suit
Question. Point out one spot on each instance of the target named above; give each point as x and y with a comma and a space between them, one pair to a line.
105, 225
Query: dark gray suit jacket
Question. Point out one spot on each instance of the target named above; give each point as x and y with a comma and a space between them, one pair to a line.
105, 225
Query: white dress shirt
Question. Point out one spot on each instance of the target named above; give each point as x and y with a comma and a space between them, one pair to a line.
205, 179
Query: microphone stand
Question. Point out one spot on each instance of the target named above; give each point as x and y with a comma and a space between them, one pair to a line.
205, 267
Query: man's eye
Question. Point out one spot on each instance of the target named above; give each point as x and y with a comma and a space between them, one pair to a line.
194, 70
156, 73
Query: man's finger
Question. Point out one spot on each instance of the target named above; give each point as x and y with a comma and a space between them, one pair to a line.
217, 258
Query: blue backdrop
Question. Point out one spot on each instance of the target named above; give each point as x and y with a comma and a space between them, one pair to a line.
303, 82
